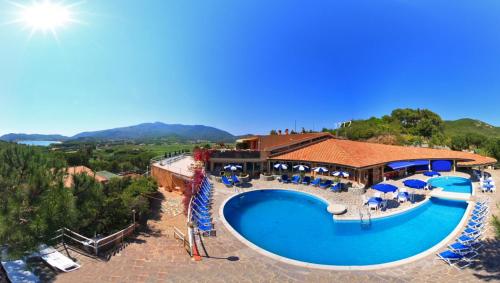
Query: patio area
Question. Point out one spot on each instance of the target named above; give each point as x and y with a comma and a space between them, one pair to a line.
156, 256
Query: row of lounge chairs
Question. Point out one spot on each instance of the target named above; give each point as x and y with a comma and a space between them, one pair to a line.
461, 253
317, 182
487, 185
200, 209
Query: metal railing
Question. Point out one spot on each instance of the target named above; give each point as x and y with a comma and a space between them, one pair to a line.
94, 245
168, 161
365, 217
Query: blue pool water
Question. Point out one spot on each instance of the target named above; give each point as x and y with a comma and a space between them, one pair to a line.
38, 143
452, 184
297, 226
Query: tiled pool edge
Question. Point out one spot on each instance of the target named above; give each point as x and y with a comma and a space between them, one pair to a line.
416, 257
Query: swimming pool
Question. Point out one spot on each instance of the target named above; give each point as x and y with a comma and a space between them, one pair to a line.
297, 226
452, 184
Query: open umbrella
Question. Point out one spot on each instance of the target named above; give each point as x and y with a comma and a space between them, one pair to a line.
233, 167
415, 184
431, 173
301, 168
320, 169
280, 166
342, 174
385, 188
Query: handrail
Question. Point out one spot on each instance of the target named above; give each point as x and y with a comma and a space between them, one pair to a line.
169, 161
189, 227
95, 244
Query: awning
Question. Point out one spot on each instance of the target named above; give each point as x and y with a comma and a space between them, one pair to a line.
405, 164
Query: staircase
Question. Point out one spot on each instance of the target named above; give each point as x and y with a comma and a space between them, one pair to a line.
365, 217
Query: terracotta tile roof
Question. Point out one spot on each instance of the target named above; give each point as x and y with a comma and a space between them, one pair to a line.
71, 171
362, 154
270, 142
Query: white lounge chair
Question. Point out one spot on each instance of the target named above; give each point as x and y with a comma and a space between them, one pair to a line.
18, 272
57, 260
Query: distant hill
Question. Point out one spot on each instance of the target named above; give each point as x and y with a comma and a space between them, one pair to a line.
159, 130
138, 132
465, 126
32, 137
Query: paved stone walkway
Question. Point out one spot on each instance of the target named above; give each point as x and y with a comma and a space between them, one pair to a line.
158, 257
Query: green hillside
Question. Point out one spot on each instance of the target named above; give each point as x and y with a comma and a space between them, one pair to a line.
470, 126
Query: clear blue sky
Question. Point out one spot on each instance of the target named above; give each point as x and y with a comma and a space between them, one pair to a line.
249, 65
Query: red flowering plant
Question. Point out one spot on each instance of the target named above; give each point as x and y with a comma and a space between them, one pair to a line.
202, 154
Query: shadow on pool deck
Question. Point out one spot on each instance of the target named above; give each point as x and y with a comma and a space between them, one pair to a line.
488, 261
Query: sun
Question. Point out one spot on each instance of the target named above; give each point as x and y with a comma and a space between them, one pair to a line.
45, 16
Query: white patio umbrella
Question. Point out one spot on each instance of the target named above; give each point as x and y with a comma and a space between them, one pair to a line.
341, 174
301, 167
233, 167
280, 166
320, 169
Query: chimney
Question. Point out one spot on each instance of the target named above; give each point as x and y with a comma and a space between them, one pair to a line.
286, 132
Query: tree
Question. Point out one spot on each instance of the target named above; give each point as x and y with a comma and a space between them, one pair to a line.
90, 200
273, 132
493, 148
34, 202
458, 143
475, 140
136, 195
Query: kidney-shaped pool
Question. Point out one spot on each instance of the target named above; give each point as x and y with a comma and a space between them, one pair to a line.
297, 226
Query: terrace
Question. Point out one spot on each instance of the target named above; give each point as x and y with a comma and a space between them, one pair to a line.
225, 258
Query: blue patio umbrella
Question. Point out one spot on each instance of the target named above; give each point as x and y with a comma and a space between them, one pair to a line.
342, 174
415, 184
431, 173
320, 169
280, 166
301, 167
385, 188
233, 167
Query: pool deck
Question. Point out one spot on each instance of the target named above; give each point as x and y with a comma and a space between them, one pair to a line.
157, 257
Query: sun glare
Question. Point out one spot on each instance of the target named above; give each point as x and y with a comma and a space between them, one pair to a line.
45, 16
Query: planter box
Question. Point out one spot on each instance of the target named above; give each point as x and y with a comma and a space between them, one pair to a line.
267, 177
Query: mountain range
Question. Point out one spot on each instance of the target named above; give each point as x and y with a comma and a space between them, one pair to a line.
201, 132
136, 132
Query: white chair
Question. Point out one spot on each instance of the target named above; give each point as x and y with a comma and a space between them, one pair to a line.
402, 197
374, 205
395, 195
364, 199
57, 260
